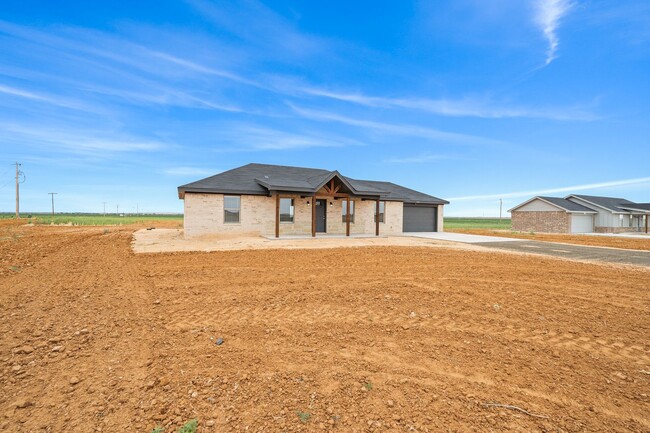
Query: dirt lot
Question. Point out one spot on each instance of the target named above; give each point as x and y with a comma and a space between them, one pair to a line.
96, 338
597, 241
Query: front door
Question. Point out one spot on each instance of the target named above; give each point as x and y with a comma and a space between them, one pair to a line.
321, 216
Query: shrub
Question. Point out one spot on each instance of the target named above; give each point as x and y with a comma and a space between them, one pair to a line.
304, 416
189, 427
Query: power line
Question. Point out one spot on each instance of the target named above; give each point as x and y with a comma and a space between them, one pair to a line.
7, 182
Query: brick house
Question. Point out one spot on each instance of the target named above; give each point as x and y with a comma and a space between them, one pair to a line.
273, 200
580, 214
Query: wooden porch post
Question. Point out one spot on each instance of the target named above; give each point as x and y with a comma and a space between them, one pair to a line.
377, 219
646, 222
313, 217
277, 215
347, 219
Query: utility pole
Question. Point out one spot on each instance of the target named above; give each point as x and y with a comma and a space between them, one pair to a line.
18, 174
117, 209
104, 208
52, 194
500, 209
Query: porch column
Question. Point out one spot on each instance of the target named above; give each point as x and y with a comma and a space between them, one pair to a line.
377, 218
646, 223
277, 215
313, 217
347, 218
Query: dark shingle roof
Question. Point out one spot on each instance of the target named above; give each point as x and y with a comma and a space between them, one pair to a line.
638, 206
610, 203
259, 179
397, 192
567, 205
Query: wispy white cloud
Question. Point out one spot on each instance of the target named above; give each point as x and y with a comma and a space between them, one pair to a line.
159, 95
548, 14
569, 189
142, 70
429, 157
189, 171
246, 138
402, 129
194, 66
22, 93
95, 45
57, 101
466, 107
261, 27
84, 142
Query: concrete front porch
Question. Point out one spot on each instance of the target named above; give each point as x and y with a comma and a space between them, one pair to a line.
324, 236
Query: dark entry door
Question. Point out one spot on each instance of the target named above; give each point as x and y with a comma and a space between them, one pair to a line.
321, 216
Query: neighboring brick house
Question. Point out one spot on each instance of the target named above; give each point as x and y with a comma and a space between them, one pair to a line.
273, 200
580, 214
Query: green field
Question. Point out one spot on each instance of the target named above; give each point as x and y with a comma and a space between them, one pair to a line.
452, 223
96, 219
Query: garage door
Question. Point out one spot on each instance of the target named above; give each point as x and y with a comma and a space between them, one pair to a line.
420, 218
582, 223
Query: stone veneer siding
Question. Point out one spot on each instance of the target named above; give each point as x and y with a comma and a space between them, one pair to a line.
204, 216
618, 229
541, 221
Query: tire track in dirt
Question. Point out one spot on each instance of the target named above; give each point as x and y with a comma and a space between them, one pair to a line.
427, 367
303, 334
203, 316
60, 291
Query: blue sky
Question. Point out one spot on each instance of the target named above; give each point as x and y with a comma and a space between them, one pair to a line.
468, 100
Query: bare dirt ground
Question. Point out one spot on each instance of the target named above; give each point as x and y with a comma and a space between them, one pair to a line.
596, 241
383, 338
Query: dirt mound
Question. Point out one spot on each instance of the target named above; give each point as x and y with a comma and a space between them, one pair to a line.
96, 338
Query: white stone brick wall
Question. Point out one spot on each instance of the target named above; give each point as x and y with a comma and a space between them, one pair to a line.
204, 216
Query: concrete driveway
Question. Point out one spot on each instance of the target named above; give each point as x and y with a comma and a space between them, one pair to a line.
460, 237
574, 252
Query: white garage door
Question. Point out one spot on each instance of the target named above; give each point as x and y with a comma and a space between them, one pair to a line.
582, 223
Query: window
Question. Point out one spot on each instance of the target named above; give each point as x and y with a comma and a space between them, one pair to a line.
231, 205
286, 210
345, 210
382, 211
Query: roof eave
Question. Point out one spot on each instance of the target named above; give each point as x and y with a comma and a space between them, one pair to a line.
182, 191
437, 202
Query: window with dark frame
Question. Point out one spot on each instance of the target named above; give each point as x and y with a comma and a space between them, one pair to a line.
345, 210
286, 210
231, 209
382, 212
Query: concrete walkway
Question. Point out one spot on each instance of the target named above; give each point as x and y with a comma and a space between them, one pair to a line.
618, 235
460, 237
